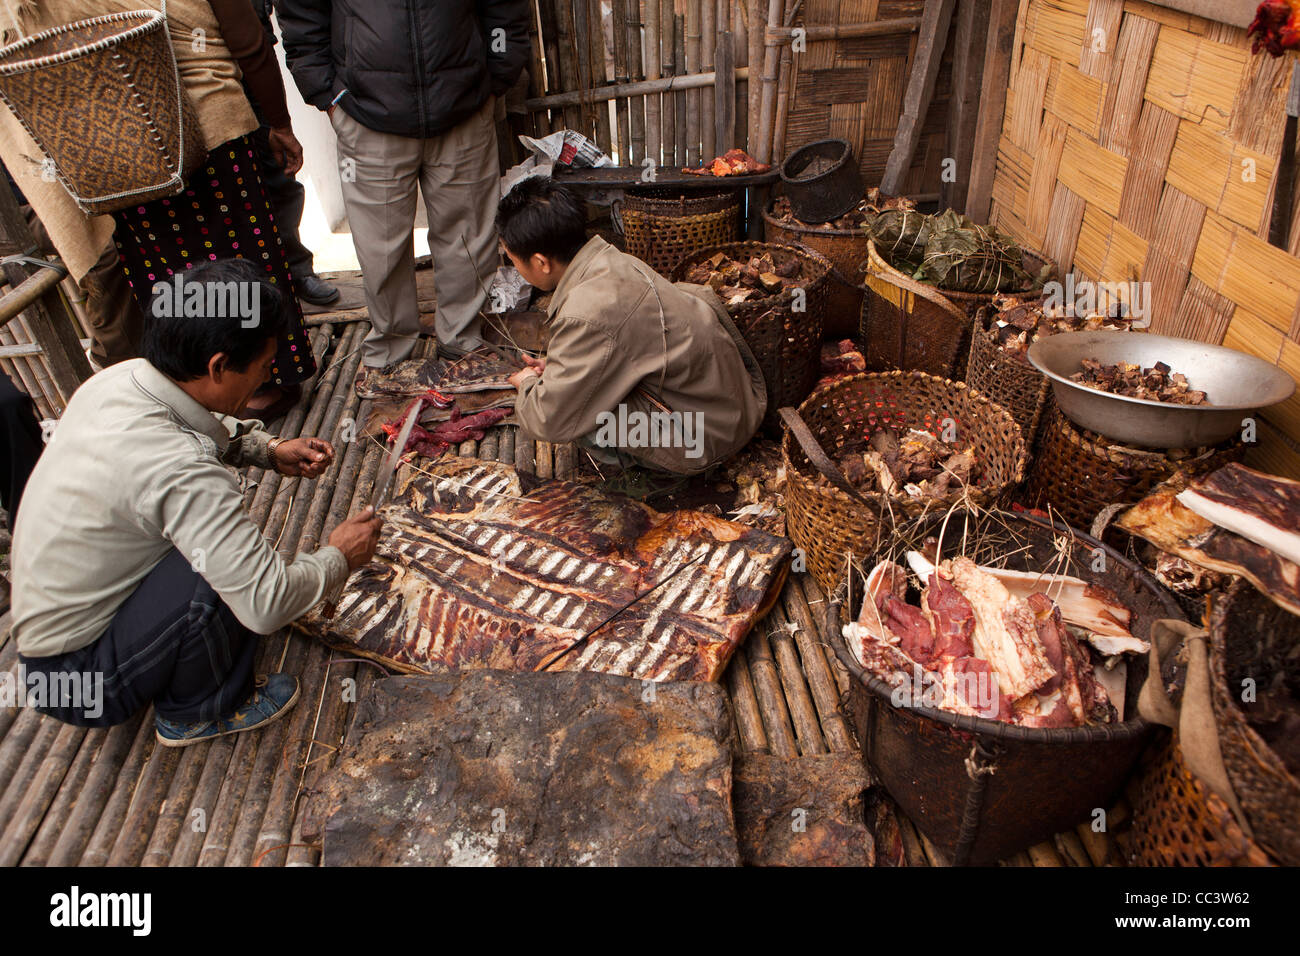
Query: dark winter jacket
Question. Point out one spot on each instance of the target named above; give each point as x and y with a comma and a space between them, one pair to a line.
410, 67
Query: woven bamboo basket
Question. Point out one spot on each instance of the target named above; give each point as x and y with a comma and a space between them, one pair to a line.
786, 343
1178, 822
1078, 473
832, 526
661, 228
907, 324
103, 100
981, 790
1251, 638
847, 251
1020, 388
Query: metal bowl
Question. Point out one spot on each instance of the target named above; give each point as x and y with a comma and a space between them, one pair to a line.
1235, 385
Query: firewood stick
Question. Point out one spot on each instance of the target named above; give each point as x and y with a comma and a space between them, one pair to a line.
1044, 854
826, 693
1071, 849
803, 713
744, 702
771, 699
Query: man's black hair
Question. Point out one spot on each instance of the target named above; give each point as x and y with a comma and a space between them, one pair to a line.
540, 215
180, 343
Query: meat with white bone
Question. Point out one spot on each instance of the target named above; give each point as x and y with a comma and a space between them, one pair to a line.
1261, 508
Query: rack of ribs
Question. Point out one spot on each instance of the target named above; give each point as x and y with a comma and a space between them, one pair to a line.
480, 566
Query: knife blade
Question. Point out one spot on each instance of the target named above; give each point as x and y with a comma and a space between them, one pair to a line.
1280, 221
383, 485
384, 478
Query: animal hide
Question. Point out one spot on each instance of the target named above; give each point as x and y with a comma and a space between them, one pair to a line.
480, 566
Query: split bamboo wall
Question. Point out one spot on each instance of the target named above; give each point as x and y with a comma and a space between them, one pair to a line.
852, 89
1151, 156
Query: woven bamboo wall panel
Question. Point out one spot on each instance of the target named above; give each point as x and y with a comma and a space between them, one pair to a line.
1141, 143
852, 89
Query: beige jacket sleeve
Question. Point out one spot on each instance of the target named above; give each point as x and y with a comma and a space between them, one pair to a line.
585, 375
198, 507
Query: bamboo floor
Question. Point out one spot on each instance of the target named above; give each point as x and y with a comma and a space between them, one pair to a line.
72, 796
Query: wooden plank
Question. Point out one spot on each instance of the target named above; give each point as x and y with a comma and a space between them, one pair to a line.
992, 108
920, 89
970, 39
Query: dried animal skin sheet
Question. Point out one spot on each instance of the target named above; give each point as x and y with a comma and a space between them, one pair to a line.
482, 567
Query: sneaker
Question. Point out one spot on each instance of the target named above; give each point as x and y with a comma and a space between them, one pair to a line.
273, 696
316, 290
454, 352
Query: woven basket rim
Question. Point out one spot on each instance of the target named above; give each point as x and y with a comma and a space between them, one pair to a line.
795, 225
1077, 435
771, 301
1094, 733
1219, 673
151, 20
879, 498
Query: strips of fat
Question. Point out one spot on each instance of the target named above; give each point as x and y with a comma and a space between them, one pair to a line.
1005, 633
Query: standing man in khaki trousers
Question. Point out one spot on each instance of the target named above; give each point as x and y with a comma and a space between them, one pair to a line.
410, 87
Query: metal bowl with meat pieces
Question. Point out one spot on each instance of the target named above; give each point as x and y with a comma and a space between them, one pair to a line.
1235, 385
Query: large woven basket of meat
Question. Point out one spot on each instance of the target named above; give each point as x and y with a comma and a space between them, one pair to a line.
776, 295
874, 447
996, 669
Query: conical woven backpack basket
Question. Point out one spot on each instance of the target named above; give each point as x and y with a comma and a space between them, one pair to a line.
103, 100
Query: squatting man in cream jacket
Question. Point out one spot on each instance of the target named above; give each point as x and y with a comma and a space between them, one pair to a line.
138, 577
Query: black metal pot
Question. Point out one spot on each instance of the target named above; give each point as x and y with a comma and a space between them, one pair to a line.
827, 195
982, 790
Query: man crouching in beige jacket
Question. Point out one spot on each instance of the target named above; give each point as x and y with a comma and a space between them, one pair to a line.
636, 365
138, 577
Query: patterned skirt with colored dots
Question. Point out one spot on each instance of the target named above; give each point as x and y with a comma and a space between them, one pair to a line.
224, 212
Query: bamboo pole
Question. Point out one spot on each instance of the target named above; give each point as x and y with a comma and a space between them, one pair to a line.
694, 27
754, 21
545, 460
70, 790
567, 44
807, 636
146, 806
913, 852
680, 134
487, 448
506, 446
664, 84
653, 105
845, 31
1071, 849
551, 46
771, 699
121, 786
73, 832
622, 74
16, 743
724, 96
266, 767
744, 704
565, 456
223, 813
784, 82
598, 76
189, 841
176, 807
33, 757
39, 793
22, 375
525, 453
668, 67
803, 713
635, 104
767, 100
40, 367
708, 40
817, 608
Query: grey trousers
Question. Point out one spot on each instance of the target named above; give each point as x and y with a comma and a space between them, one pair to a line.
457, 173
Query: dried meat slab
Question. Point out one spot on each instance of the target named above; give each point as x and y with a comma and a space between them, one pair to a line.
1171, 526
486, 768
475, 372
480, 566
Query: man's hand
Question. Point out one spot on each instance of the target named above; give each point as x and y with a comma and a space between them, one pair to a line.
285, 148
357, 538
303, 457
532, 366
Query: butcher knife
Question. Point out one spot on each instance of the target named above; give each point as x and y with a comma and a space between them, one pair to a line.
1280, 223
383, 485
